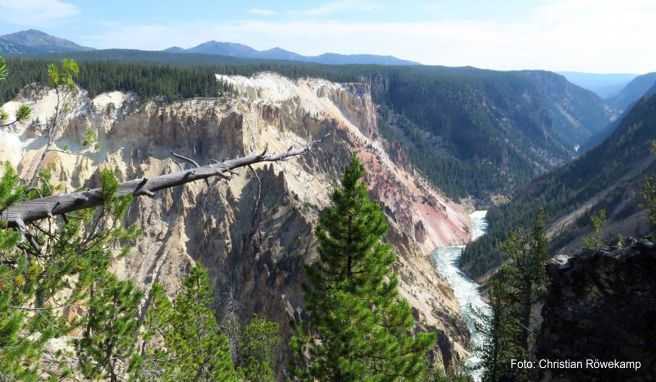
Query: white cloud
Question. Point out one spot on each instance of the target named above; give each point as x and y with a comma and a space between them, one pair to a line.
337, 6
585, 35
262, 12
35, 12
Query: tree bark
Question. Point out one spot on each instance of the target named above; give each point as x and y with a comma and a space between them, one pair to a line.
20, 214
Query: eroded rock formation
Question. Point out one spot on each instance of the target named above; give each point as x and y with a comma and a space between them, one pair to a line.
253, 233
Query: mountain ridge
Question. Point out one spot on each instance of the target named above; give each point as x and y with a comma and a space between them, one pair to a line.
36, 42
505, 127
232, 49
33, 41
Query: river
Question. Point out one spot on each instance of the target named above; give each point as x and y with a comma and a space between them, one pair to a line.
466, 290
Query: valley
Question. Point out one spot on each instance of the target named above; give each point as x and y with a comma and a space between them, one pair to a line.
483, 207
210, 225
608, 177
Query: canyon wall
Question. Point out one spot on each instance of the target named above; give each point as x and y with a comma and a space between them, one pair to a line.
254, 232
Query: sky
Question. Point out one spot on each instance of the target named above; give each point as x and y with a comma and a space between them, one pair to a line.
598, 36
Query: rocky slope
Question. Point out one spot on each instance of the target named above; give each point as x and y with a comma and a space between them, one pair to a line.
254, 233
601, 306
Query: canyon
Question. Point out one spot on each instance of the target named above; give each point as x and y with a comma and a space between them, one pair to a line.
253, 232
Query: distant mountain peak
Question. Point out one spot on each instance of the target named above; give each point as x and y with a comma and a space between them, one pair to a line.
223, 43
277, 49
174, 49
33, 41
222, 48
29, 32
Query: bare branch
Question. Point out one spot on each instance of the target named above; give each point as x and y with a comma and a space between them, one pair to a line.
185, 158
37, 209
25, 233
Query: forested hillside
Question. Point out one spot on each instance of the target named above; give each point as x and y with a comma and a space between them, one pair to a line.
481, 132
575, 112
608, 177
472, 132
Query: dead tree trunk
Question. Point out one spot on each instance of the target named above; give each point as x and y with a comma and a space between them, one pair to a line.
20, 214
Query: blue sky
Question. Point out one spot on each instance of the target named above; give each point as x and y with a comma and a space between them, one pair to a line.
583, 35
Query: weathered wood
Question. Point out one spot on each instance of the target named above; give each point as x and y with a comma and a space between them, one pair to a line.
19, 214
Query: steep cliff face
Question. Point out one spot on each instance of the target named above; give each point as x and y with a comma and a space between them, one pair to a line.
254, 232
601, 306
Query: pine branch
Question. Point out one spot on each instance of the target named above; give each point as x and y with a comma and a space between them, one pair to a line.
22, 213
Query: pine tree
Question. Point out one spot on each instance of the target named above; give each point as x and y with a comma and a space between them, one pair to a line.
110, 329
514, 290
258, 346
595, 240
649, 194
45, 269
531, 276
527, 254
499, 328
183, 338
23, 112
358, 327
19, 354
49, 268
39, 262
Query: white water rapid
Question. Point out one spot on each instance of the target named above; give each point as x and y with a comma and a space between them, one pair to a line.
466, 290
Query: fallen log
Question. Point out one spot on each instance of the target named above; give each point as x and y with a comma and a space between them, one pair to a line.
20, 214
